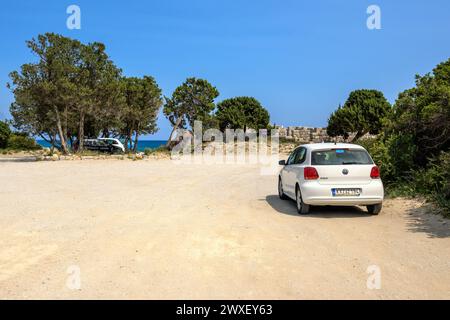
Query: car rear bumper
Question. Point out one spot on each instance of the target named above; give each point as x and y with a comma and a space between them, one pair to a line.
314, 193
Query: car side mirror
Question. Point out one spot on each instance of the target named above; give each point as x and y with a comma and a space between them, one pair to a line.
282, 162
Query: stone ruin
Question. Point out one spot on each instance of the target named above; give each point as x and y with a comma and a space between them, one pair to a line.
303, 135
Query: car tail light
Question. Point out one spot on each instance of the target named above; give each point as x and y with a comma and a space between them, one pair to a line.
310, 173
375, 173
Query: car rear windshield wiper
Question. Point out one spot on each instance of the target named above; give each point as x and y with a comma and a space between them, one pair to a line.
351, 162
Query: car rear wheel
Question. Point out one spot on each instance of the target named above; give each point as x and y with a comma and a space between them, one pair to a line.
280, 190
374, 208
302, 208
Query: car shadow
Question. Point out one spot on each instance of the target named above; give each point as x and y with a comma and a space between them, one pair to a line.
288, 207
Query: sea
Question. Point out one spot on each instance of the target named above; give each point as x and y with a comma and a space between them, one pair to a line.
142, 145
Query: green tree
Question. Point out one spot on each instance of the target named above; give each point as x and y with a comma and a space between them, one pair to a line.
71, 87
423, 114
365, 111
5, 133
193, 100
97, 89
44, 90
242, 113
142, 103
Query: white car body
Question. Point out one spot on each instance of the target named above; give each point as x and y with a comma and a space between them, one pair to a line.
115, 143
337, 184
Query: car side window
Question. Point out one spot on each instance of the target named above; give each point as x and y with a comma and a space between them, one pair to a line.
291, 158
300, 156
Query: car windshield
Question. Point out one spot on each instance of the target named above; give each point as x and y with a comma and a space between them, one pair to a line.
340, 157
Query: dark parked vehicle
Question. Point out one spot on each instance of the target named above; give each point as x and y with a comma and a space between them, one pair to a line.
109, 145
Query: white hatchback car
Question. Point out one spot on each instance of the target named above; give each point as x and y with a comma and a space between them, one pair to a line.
331, 174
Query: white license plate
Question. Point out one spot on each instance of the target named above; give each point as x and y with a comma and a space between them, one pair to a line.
346, 192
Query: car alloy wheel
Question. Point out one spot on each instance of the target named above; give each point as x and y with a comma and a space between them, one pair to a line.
298, 197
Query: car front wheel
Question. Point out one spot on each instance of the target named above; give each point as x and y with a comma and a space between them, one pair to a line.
302, 208
280, 190
374, 208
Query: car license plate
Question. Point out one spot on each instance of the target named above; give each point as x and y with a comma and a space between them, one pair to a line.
346, 192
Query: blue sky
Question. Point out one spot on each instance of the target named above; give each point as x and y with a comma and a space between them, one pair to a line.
299, 58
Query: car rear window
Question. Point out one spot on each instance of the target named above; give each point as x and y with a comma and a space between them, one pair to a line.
340, 157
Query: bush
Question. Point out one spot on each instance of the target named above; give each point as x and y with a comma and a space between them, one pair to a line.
381, 156
434, 181
283, 140
394, 155
161, 149
90, 153
401, 189
5, 133
22, 142
402, 152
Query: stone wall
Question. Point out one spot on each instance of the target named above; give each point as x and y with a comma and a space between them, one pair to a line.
309, 135
304, 134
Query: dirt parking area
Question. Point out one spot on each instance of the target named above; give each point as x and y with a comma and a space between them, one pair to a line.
150, 229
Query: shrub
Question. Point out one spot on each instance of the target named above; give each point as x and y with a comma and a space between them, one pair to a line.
434, 181
161, 149
90, 153
283, 140
5, 133
402, 152
22, 142
401, 189
380, 155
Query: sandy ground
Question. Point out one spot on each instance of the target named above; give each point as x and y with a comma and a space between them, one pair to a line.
151, 229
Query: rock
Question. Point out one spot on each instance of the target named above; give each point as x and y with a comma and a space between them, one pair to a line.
139, 156
55, 157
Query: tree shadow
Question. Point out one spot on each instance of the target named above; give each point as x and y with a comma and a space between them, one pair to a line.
19, 159
427, 219
288, 207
